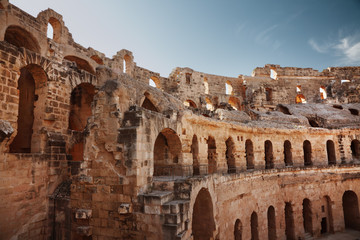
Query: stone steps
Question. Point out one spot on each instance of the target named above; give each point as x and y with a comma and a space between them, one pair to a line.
308, 236
176, 218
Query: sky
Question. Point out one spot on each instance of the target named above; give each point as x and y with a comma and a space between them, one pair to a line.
228, 37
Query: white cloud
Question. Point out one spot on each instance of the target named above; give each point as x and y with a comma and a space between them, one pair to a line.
346, 48
264, 35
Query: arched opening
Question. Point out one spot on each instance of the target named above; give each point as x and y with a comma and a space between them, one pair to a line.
195, 155
273, 74
238, 230
271, 223
147, 104
203, 224
212, 155
167, 153
323, 94
289, 222
338, 107
307, 153
326, 216
254, 226
235, 103
351, 210
307, 216
81, 63
230, 158
330, 149
190, 103
55, 26
313, 122
19, 37
31, 83
97, 59
154, 82
206, 85
188, 78
50, 31
269, 158
355, 149
209, 105
126, 64
287, 153
228, 88
300, 98
80, 106
249, 154
268, 94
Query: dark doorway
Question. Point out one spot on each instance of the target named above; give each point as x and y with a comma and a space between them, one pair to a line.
238, 230
307, 153
351, 210
249, 154
330, 148
287, 153
307, 216
289, 222
230, 158
271, 223
269, 158
323, 225
254, 226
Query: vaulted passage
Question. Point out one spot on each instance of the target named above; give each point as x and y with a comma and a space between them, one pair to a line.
330, 149
307, 153
203, 224
351, 210
80, 106
249, 154
269, 159
147, 104
21, 38
287, 153
212, 155
289, 222
307, 216
230, 158
195, 155
30, 84
254, 226
355, 149
271, 223
238, 230
167, 153
326, 216
81, 63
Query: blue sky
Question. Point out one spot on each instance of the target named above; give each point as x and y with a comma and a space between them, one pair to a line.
228, 37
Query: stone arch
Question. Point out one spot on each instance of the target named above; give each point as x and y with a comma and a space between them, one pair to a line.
300, 98
254, 226
195, 155
287, 153
148, 104
271, 223
203, 224
127, 63
57, 28
80, 106
289, 222
212, 155
235, 103
190, 103
307, 216
209, 104
238, 230
229, 154
31, 85
97, 59
351, 210
229, 88
355, 149
269, 158
167, 153
327, 224
80, 63
307, 153
19, 37
330, 149
249, 154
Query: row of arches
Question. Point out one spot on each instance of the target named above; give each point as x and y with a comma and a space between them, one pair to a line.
324, 215
230, 154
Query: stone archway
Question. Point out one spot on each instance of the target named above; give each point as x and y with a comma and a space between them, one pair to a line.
203, 224
351, 210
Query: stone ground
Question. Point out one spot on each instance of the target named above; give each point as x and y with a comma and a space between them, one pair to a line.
348, 234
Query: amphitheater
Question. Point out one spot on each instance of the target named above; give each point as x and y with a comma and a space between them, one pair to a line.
100, 148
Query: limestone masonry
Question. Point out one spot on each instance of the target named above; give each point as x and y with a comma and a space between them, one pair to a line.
90, 150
